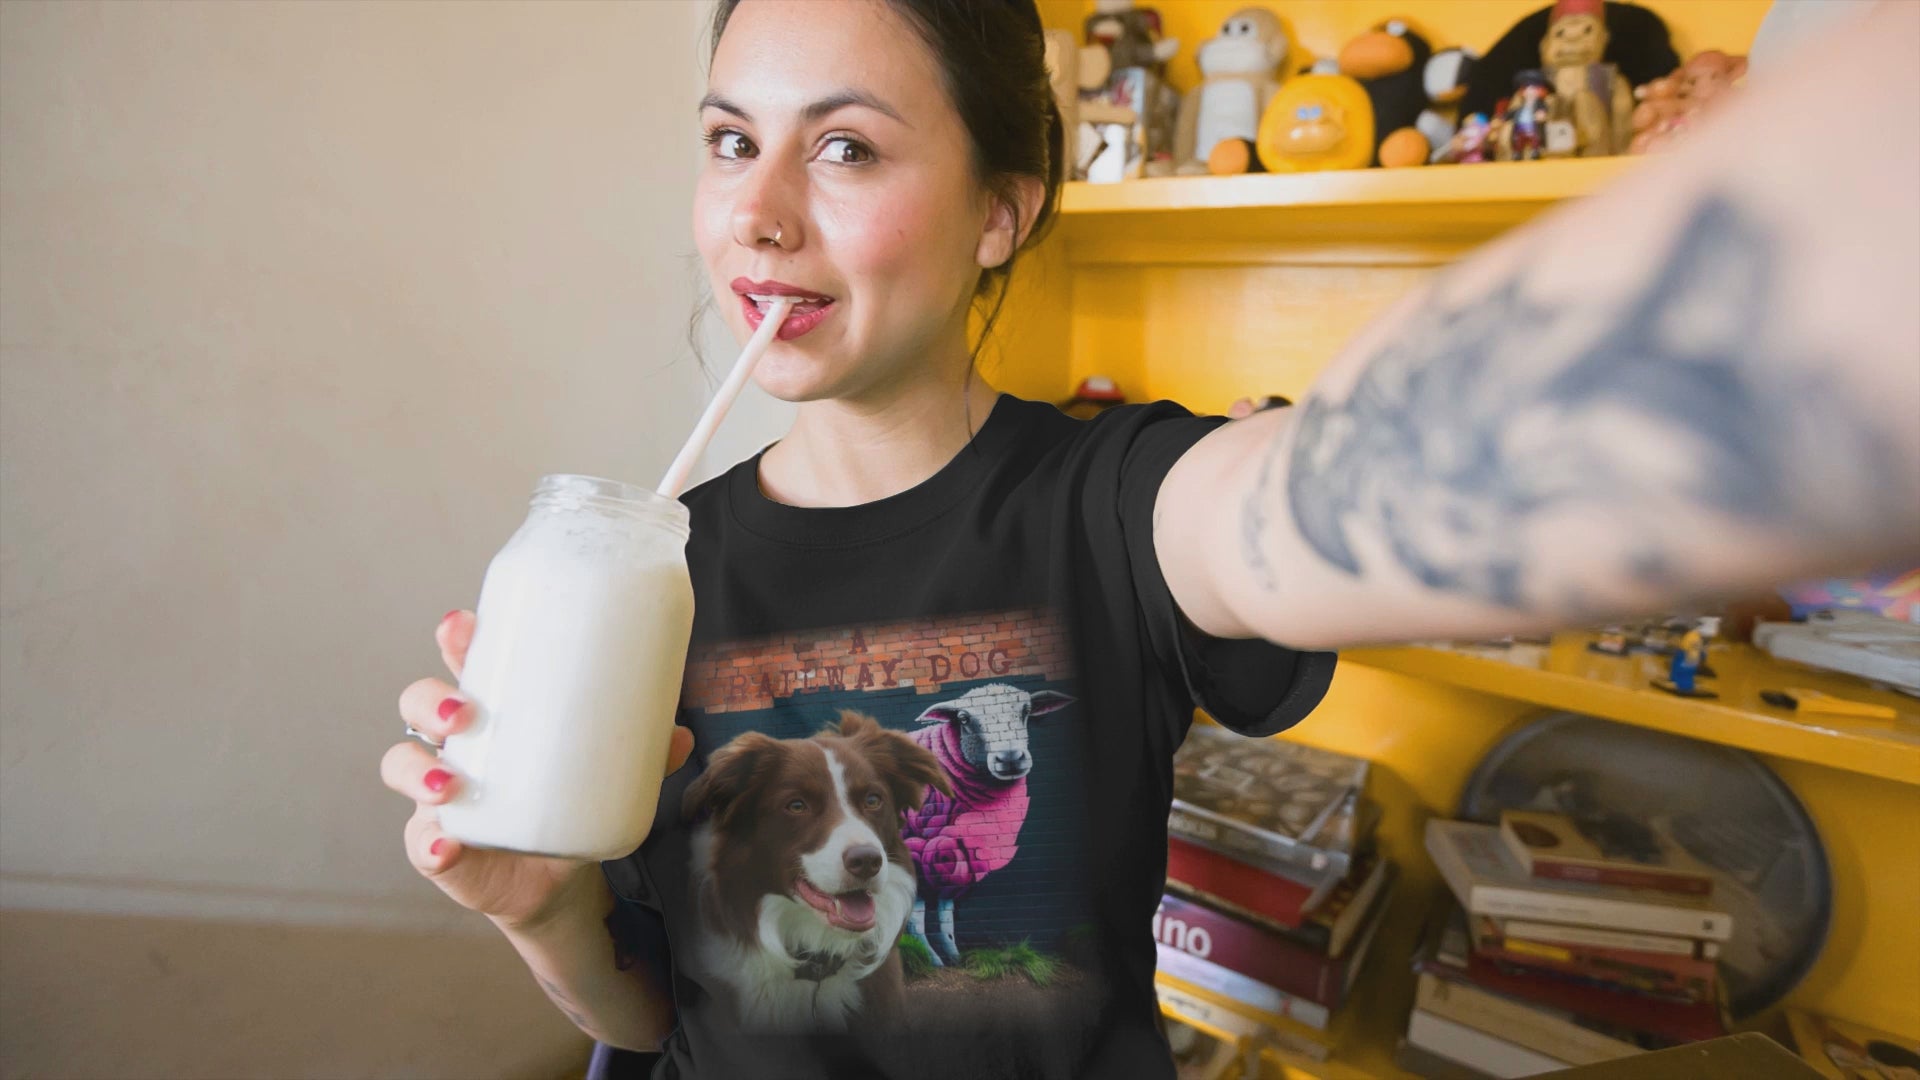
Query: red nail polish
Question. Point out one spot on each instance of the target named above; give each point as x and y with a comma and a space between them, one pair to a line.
449, 706
449, 614
435, 849
436, 779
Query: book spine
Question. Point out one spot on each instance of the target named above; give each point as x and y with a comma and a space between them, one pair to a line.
1681, 970
1598, 911
1593, 936
1637, 976
1251, 992
1310, 934
1468, 1046
1249, 950
1626, 877
1271, 852
1200, 870
1543, 1030
1664, 1023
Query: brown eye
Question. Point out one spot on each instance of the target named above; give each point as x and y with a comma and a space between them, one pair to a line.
873, 800
729, 144
851, 152
796, 806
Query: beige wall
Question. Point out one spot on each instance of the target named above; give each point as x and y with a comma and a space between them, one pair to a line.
296, 302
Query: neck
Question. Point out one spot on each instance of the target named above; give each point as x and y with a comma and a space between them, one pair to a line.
849, 451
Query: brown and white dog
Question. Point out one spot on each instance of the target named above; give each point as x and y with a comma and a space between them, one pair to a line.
799, 876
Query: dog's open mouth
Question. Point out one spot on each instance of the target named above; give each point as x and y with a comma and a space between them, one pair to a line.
848, 910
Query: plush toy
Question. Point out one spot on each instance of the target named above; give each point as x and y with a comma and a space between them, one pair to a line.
1390, 61
1317, 121
1237, 68
1131, 35
1593, 93
1669, 104
1471, 142
1637, 44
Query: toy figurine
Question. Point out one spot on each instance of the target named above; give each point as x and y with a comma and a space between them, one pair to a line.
1317, 121
1391, 62
1668, 105
1596, 94
1095, 395
1137, 57
1237, 68
1636, 42
1470, 144
1687, 660
1529, 115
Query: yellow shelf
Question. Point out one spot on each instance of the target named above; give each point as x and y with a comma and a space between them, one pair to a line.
1162, 220
1567, 675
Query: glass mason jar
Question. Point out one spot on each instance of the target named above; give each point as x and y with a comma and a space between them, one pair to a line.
580, 642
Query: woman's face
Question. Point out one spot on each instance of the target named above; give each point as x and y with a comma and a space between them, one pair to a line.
828, 124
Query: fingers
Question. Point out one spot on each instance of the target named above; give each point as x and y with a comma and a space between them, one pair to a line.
454, 635
414, 771
1240, 410
430, 851
679, 749
436, 709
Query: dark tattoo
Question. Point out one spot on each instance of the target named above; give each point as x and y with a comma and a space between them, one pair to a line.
1492, 423
566, 1006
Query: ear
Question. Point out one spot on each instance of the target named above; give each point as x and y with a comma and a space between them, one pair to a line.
730, 772
855, 724
908, 767
1046, 701
939, 714
1009, 221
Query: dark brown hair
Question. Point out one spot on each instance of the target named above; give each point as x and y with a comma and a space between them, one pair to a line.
992, 57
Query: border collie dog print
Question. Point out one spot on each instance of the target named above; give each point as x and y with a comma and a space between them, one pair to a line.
800, 879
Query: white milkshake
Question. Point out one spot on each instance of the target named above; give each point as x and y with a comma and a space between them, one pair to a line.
579, 645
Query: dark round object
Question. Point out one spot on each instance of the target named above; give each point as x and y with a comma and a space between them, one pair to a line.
1722, 805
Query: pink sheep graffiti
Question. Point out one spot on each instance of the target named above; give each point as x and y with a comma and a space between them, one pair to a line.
981, 741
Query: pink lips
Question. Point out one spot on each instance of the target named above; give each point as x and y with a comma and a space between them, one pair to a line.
811, 310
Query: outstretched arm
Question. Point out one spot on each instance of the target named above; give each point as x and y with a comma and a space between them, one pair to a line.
1702, 381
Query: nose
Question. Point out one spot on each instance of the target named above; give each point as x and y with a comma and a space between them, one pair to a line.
1011, 762
768, 207
863, 862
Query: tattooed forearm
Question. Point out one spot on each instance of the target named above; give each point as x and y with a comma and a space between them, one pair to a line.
1492, 435
566, 1005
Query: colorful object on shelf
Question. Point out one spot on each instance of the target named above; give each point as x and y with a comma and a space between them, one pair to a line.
1669, 105
1390, 61
1893, 593
1684, 665
1126, 124
1318, 121
1529, 130
1472, 142
1593, 93
1095, 395
1637, 44
1234, 157
1238, 77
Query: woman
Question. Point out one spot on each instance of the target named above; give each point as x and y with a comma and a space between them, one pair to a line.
1705, 383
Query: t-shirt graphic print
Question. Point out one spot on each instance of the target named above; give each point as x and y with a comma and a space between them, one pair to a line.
887, 829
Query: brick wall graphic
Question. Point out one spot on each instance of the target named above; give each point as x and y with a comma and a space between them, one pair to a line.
792, 685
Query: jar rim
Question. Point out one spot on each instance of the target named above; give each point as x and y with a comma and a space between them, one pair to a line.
608, 494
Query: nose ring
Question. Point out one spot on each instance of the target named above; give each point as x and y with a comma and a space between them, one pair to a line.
775, 238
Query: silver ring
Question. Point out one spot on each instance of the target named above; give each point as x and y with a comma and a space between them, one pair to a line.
416, 733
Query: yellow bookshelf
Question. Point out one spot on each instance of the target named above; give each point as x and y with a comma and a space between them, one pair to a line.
1207, 289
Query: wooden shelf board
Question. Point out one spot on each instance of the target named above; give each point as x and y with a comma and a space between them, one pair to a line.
1441, 210
1567, 675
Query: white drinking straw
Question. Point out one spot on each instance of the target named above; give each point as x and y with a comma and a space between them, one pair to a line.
676, 477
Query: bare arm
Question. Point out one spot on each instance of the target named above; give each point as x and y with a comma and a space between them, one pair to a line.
1702, 381
571, 955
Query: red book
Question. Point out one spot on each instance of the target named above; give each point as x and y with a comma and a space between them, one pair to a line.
1257, 953
1209, 873
1551, 846
1681, 978
1666, 1020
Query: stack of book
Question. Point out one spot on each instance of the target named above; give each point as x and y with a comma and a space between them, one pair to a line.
1273, 889
1554, 952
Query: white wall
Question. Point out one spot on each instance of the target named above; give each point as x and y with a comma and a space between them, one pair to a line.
296, 302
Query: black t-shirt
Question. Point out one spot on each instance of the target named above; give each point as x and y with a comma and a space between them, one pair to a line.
923, 831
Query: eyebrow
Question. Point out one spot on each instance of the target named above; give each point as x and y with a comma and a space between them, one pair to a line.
815, 111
